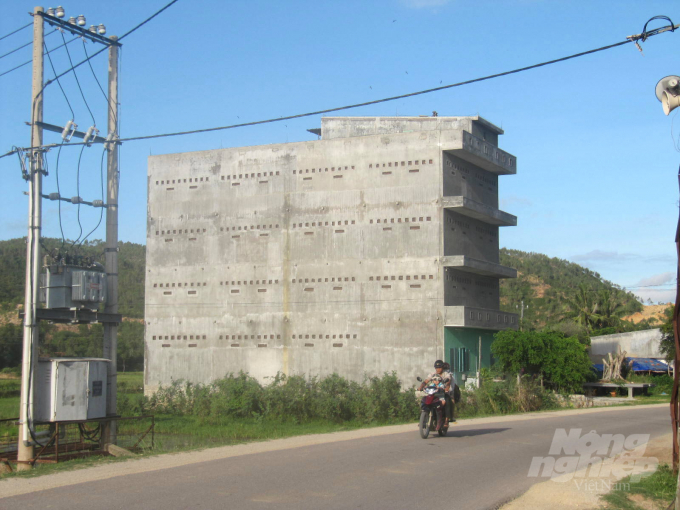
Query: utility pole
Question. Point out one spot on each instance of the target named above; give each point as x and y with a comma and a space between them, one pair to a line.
111, 250
25, 450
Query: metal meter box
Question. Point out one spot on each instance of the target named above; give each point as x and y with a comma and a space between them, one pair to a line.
70, 389
68, 286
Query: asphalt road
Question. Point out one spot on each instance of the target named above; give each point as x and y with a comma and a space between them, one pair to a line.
476, 466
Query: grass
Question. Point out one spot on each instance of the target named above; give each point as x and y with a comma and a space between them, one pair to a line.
175, 433
658, 488
650, 399
178, 433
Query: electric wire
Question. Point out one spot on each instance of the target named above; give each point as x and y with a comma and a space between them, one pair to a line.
73, 115
101, 212
17, 30
16, 49
80, 225
676, 141
27, 44
74, 67
61, 227
108, 101
94, 122
630, 39
15, 68
147, 20
29, 61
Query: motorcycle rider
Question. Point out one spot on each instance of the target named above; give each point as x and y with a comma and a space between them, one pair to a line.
442, 380
449, 394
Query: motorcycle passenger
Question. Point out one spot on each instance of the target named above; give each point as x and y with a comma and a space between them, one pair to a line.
442, 380
449, 394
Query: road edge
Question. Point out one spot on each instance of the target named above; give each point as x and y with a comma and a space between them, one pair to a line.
20, 485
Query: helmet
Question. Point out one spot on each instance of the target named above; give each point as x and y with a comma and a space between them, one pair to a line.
446, 366
439, 364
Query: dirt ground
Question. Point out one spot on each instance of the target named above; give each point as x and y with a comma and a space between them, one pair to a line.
649, 312
580, 491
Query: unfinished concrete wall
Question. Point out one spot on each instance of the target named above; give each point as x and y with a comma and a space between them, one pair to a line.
638, 344
304, 258
464, 179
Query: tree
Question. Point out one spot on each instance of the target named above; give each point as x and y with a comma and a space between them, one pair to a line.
667, 346
131, 346
609, 309
10, 345
581, 307
562, 361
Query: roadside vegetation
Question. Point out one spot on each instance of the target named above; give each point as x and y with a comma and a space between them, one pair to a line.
654, 491
564, 305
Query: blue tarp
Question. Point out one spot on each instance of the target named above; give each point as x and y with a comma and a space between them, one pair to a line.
639, 365
647, 364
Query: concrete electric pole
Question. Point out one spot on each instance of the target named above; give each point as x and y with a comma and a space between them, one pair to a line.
111, 259
30, 338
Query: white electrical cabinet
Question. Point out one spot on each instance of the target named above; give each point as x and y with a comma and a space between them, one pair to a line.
70, 389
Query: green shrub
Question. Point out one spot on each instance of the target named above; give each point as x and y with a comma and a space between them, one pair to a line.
663, 383
562, 361
506, 397
290, 399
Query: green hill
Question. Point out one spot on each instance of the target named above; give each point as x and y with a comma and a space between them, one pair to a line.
543, 283
131, 262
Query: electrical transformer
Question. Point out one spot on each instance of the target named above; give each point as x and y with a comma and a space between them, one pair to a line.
70, 389
69, 286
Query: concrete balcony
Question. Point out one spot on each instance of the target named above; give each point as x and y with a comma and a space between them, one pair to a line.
484, 155
477, 210
476, 266
480, 318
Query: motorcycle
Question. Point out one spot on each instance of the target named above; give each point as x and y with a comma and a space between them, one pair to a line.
431, 411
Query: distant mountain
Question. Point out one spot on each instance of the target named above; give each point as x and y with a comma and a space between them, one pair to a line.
543, 282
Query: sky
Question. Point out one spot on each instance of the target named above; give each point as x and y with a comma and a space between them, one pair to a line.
596, 179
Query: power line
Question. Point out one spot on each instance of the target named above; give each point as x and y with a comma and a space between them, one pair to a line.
78, 194
16, 49
73, 67
108, 102
75, 75
630, 39
61, 227
147, 20
29, 61
22, 47
17, 30
73, 115
101, 212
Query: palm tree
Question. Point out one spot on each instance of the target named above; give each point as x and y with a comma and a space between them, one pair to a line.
582, 309
608, 309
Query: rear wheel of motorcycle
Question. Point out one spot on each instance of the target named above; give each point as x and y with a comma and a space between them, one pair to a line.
444, 430
423, 424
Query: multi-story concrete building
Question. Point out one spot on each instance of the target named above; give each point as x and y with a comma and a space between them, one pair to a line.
370, 250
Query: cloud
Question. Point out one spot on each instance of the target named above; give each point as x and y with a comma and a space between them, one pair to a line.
604, 256
657, 279
614, 257
656, 295
424, 4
